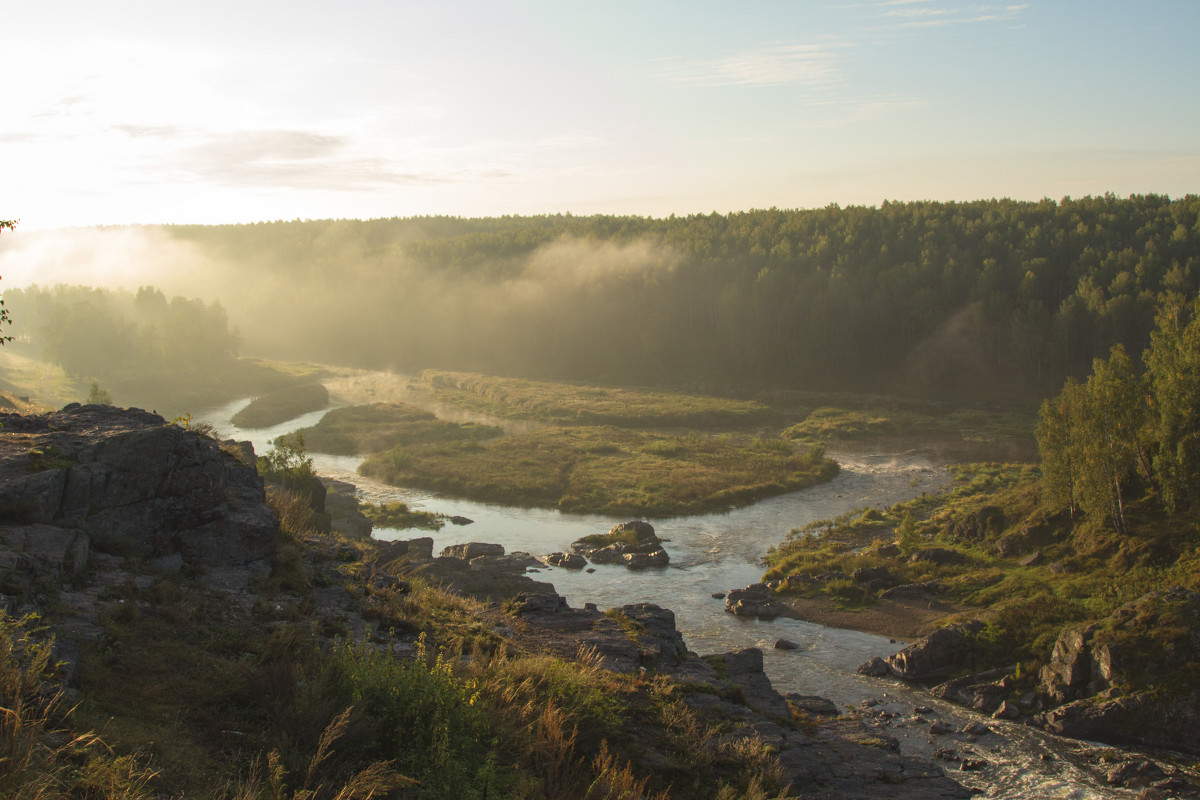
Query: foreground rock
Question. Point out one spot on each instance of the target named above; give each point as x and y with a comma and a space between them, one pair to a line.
478, 569
839, 757
121, 481
937, 656
633, 544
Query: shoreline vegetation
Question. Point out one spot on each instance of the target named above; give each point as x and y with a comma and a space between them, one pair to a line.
280, 406
1068, 591
576, 468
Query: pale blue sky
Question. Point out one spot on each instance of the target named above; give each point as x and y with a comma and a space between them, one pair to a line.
122, 112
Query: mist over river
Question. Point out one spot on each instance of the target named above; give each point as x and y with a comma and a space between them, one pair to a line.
713, 553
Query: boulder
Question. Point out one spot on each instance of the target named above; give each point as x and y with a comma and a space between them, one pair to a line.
659, 642
472, 550
632, 544
984, 692
936, 555
125, 482
655, 558
753, 601
566, 560
938, 655
812, 704
875, 668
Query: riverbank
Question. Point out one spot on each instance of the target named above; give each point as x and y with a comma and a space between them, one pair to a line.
903, 619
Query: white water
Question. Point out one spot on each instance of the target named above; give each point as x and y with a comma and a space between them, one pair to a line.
718, 552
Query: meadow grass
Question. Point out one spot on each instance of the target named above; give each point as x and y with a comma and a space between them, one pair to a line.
574, 404
280, 406
358, 430
1085, 570
604, 469
842, 423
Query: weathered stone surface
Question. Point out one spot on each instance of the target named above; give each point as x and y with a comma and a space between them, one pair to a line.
936, 555
344, 510
655, 558
632, 544
566, 560
984, 691
785, 644
875, 668
128, 483
472, 550
938, 655
756, 600
812, 704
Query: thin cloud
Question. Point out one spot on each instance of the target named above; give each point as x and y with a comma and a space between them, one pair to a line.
774, 65
289, 159
923, 14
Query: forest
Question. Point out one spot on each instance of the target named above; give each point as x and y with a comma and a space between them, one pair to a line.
995, 299
991, 301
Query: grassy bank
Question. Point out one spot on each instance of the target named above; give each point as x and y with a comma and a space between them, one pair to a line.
1029, 570
573, 404
609, 470
357, 430
277, 407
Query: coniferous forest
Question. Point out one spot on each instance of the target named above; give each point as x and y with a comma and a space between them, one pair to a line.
993, 299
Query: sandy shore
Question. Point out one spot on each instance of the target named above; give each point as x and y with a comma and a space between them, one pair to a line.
903, 619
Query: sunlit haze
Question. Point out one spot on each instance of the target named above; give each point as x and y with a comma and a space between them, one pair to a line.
150, 112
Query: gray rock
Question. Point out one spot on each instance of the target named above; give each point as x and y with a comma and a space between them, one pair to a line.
938, 655
812, 704
875, 668
785, 644
566, 560
472, 550
655, 558
127, 483
936, 555
1007, 710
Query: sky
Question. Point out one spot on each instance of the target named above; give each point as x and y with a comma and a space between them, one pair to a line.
224, 112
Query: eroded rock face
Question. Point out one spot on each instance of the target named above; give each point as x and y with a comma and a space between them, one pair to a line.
938, 655
123, 481
1125, 680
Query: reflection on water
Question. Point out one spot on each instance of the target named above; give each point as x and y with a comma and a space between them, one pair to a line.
717, 552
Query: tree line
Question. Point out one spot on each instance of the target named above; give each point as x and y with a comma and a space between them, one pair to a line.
987, 299
1123, 432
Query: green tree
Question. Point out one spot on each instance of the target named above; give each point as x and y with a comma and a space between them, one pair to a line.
98, 396
1058, 442
1173, 368
1108, 438
10, 224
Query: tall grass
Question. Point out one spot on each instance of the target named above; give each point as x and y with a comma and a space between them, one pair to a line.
565, 403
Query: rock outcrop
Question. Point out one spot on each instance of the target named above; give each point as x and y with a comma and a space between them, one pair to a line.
939, 655
479, 569
756, 600
93, 478
1127, 679
633, 544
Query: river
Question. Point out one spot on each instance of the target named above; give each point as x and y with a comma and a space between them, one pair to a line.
717, 552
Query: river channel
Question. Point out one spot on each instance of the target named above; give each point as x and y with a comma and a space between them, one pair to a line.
713, 553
